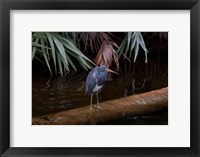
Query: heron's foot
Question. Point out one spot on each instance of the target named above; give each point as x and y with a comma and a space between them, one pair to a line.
91, 108
99, 107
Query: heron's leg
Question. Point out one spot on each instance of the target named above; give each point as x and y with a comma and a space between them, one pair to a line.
91, 101
98, 100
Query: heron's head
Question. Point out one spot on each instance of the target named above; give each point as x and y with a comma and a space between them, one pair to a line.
105, 68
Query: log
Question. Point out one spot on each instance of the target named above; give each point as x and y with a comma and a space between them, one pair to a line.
110, 110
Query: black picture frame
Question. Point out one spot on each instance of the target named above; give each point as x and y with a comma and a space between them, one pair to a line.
7, 5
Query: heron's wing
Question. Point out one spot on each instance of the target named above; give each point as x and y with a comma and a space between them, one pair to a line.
91, 81
102, 78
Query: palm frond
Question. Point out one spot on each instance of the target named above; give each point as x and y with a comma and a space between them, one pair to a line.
107, 54
131, 44
59, 48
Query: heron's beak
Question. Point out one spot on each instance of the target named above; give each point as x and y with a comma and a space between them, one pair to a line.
108, 70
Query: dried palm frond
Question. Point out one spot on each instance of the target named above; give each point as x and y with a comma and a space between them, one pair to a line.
102, 43
91, 40
107, 54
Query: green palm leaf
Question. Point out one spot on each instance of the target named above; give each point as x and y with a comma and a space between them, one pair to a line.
132, 42
53, 51
61, 48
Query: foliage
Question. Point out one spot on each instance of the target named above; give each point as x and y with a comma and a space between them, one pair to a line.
102, 44
107, 54
65, 49
61, 49
131, 44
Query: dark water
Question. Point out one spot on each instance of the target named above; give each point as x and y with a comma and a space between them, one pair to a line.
155, 118
58, 94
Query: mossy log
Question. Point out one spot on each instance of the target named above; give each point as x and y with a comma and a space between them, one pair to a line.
110, 110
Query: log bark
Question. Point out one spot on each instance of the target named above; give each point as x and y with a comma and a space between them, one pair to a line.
110, 110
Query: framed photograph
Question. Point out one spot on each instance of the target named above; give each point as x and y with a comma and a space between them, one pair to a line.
96, 78
86, 78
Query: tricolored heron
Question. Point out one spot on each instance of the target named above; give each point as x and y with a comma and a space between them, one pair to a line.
96, 80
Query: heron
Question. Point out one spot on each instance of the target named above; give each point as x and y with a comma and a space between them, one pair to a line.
95, 81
